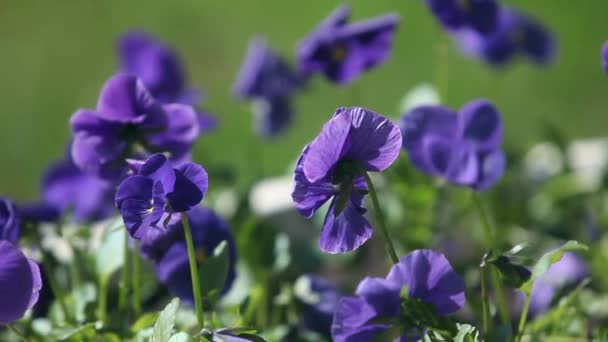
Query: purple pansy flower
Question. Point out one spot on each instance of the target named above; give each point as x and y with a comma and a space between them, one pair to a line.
268, 80
463, 148
478, 15
320, 298
169, 251
428, 277
160, 69
515, 34
9, 221
127, 121
353, 141
605, 57
20, 283
159, 189
343, 51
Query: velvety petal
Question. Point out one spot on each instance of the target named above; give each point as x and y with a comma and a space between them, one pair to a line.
319, 297
464, 167
351, 321
273, 114
605, 57
437, 154
326, 150
346, 231
125, 99
182, 128
425, 121
141, 203
158, 168
159, 238
17, 283
191, 183
36, 283
373, 140
10, 226
492, 167
100, 136
382, 295
39, 212
307, 196
480, 123
538, 43
430, 277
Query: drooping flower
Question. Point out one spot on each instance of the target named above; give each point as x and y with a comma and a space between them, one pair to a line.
161, 70
157, 190
478, 15
343, 51
169, 251
9, 221
516, 33
353, 141
428, 278
128, 121
462, 148
605, 57
20, 283
320, 298
267, 79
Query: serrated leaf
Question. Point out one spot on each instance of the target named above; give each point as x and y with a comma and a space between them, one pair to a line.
214, 270
466, 333
549, 259
166, 321
145, 321
110, 256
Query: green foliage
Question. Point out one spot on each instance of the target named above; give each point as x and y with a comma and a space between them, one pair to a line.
214, 269
165, 323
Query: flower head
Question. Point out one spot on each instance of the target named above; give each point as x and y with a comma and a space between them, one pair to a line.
478, 15
9, 221
127, 121
158, 189
268, 80
171, 255
343, 51
354, 141
428, 278
20, 283
463, 148
605, 57
320, 298
516, 33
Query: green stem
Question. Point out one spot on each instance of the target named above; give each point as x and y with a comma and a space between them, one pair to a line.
503, 308
442, 69
196, 287
17, 332
55, 288
125, 278
485, 301
102, 308
136, 280
523, 318
380, 218
485, 221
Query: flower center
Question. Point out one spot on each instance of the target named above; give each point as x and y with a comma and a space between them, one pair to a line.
338, 53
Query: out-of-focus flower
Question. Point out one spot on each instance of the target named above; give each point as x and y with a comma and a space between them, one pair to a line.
516, 33
168, 250
128, 121
605, 57
320, 298
543, 161
353, 141
9, 221
20, 283
343, 51
588, 159
268, 80
423, 94
427, 276
161, 70
270, 196
462, 148
478, 15
158, 190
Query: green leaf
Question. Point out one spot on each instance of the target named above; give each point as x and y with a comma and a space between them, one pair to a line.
85, 332
214, 270
503, 333
110, 256
164, 325
466, 333
511, 273
181, 337
549, 259
145, 321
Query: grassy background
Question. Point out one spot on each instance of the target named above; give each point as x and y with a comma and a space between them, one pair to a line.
55, 55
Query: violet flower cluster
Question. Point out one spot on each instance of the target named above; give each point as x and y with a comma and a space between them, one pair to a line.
355, 140
464, 148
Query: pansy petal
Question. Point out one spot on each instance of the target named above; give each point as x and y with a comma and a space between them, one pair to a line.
430, 277
158, 168
182, 127
538, 43
16, 283
464, 167
480, 123
191, 183
605, 57
381, 294
492, 166
307, 196
346, 231
326, 150
352, 321
141, 202
10, 227
36, 283
437, 154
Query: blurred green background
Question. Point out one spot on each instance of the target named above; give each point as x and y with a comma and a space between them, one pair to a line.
56, 54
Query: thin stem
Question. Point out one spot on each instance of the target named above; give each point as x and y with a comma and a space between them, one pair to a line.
17, 332
102, 304
125, 278
136, 280
55, 288
503, 308
485, 301
196, 287
380, 218
485, 221
442, 70
523, 318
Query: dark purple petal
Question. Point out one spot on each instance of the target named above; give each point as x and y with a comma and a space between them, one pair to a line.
19, 283
182, 128
320, 298
480, 123
373, 140
420, 123
538, 42
99, 135
492, 167
382, 295
464, 166
348, 230
605, 57
9, 221
307, 196
272, 115
326, 150
157, 240
141, 202
191, 183
125, 99
437, 154
480, 15
39, 212
351, 321
430, 277
158, 168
